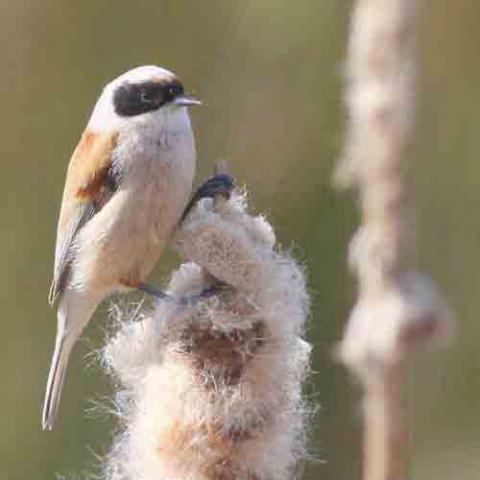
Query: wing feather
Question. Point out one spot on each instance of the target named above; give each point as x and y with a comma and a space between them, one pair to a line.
89, 184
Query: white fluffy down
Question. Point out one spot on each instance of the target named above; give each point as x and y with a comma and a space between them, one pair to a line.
211, 388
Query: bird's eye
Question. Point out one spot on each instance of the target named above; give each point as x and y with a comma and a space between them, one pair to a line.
175, 90
144, 97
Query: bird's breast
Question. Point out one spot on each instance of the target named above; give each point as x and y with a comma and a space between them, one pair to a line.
158, 186
124, 240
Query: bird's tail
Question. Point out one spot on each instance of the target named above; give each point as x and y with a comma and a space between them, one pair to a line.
74, 312
56, 377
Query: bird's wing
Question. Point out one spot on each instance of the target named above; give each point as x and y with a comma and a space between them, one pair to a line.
90, 183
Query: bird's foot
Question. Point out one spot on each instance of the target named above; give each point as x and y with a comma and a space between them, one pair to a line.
219, 184
192, 300
205, 294
216, 289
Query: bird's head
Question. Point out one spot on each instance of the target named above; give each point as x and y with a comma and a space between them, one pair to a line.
141, 95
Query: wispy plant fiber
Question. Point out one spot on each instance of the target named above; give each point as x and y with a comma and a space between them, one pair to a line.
210, 387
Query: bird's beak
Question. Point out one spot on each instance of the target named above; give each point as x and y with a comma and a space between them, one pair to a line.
186, 101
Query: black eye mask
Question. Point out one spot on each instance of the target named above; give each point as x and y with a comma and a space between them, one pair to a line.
131, 99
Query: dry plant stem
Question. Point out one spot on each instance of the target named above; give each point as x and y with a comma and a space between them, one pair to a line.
398, 310
385, 435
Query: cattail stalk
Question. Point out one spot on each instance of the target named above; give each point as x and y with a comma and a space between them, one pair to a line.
398, 310
209, 385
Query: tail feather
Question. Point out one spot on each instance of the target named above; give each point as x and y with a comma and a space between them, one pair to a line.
56, 377
74, 312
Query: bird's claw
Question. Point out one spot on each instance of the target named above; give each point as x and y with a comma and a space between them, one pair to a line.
219, 184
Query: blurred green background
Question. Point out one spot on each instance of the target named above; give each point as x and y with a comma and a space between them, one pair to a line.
269, 72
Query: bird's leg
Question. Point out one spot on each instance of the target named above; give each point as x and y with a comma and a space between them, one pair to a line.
146, 288
154, 292
219, 184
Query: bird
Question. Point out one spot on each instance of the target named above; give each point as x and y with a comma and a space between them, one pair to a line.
127, 185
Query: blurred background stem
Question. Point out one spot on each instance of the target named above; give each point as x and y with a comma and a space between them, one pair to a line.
398, 310
385, 432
